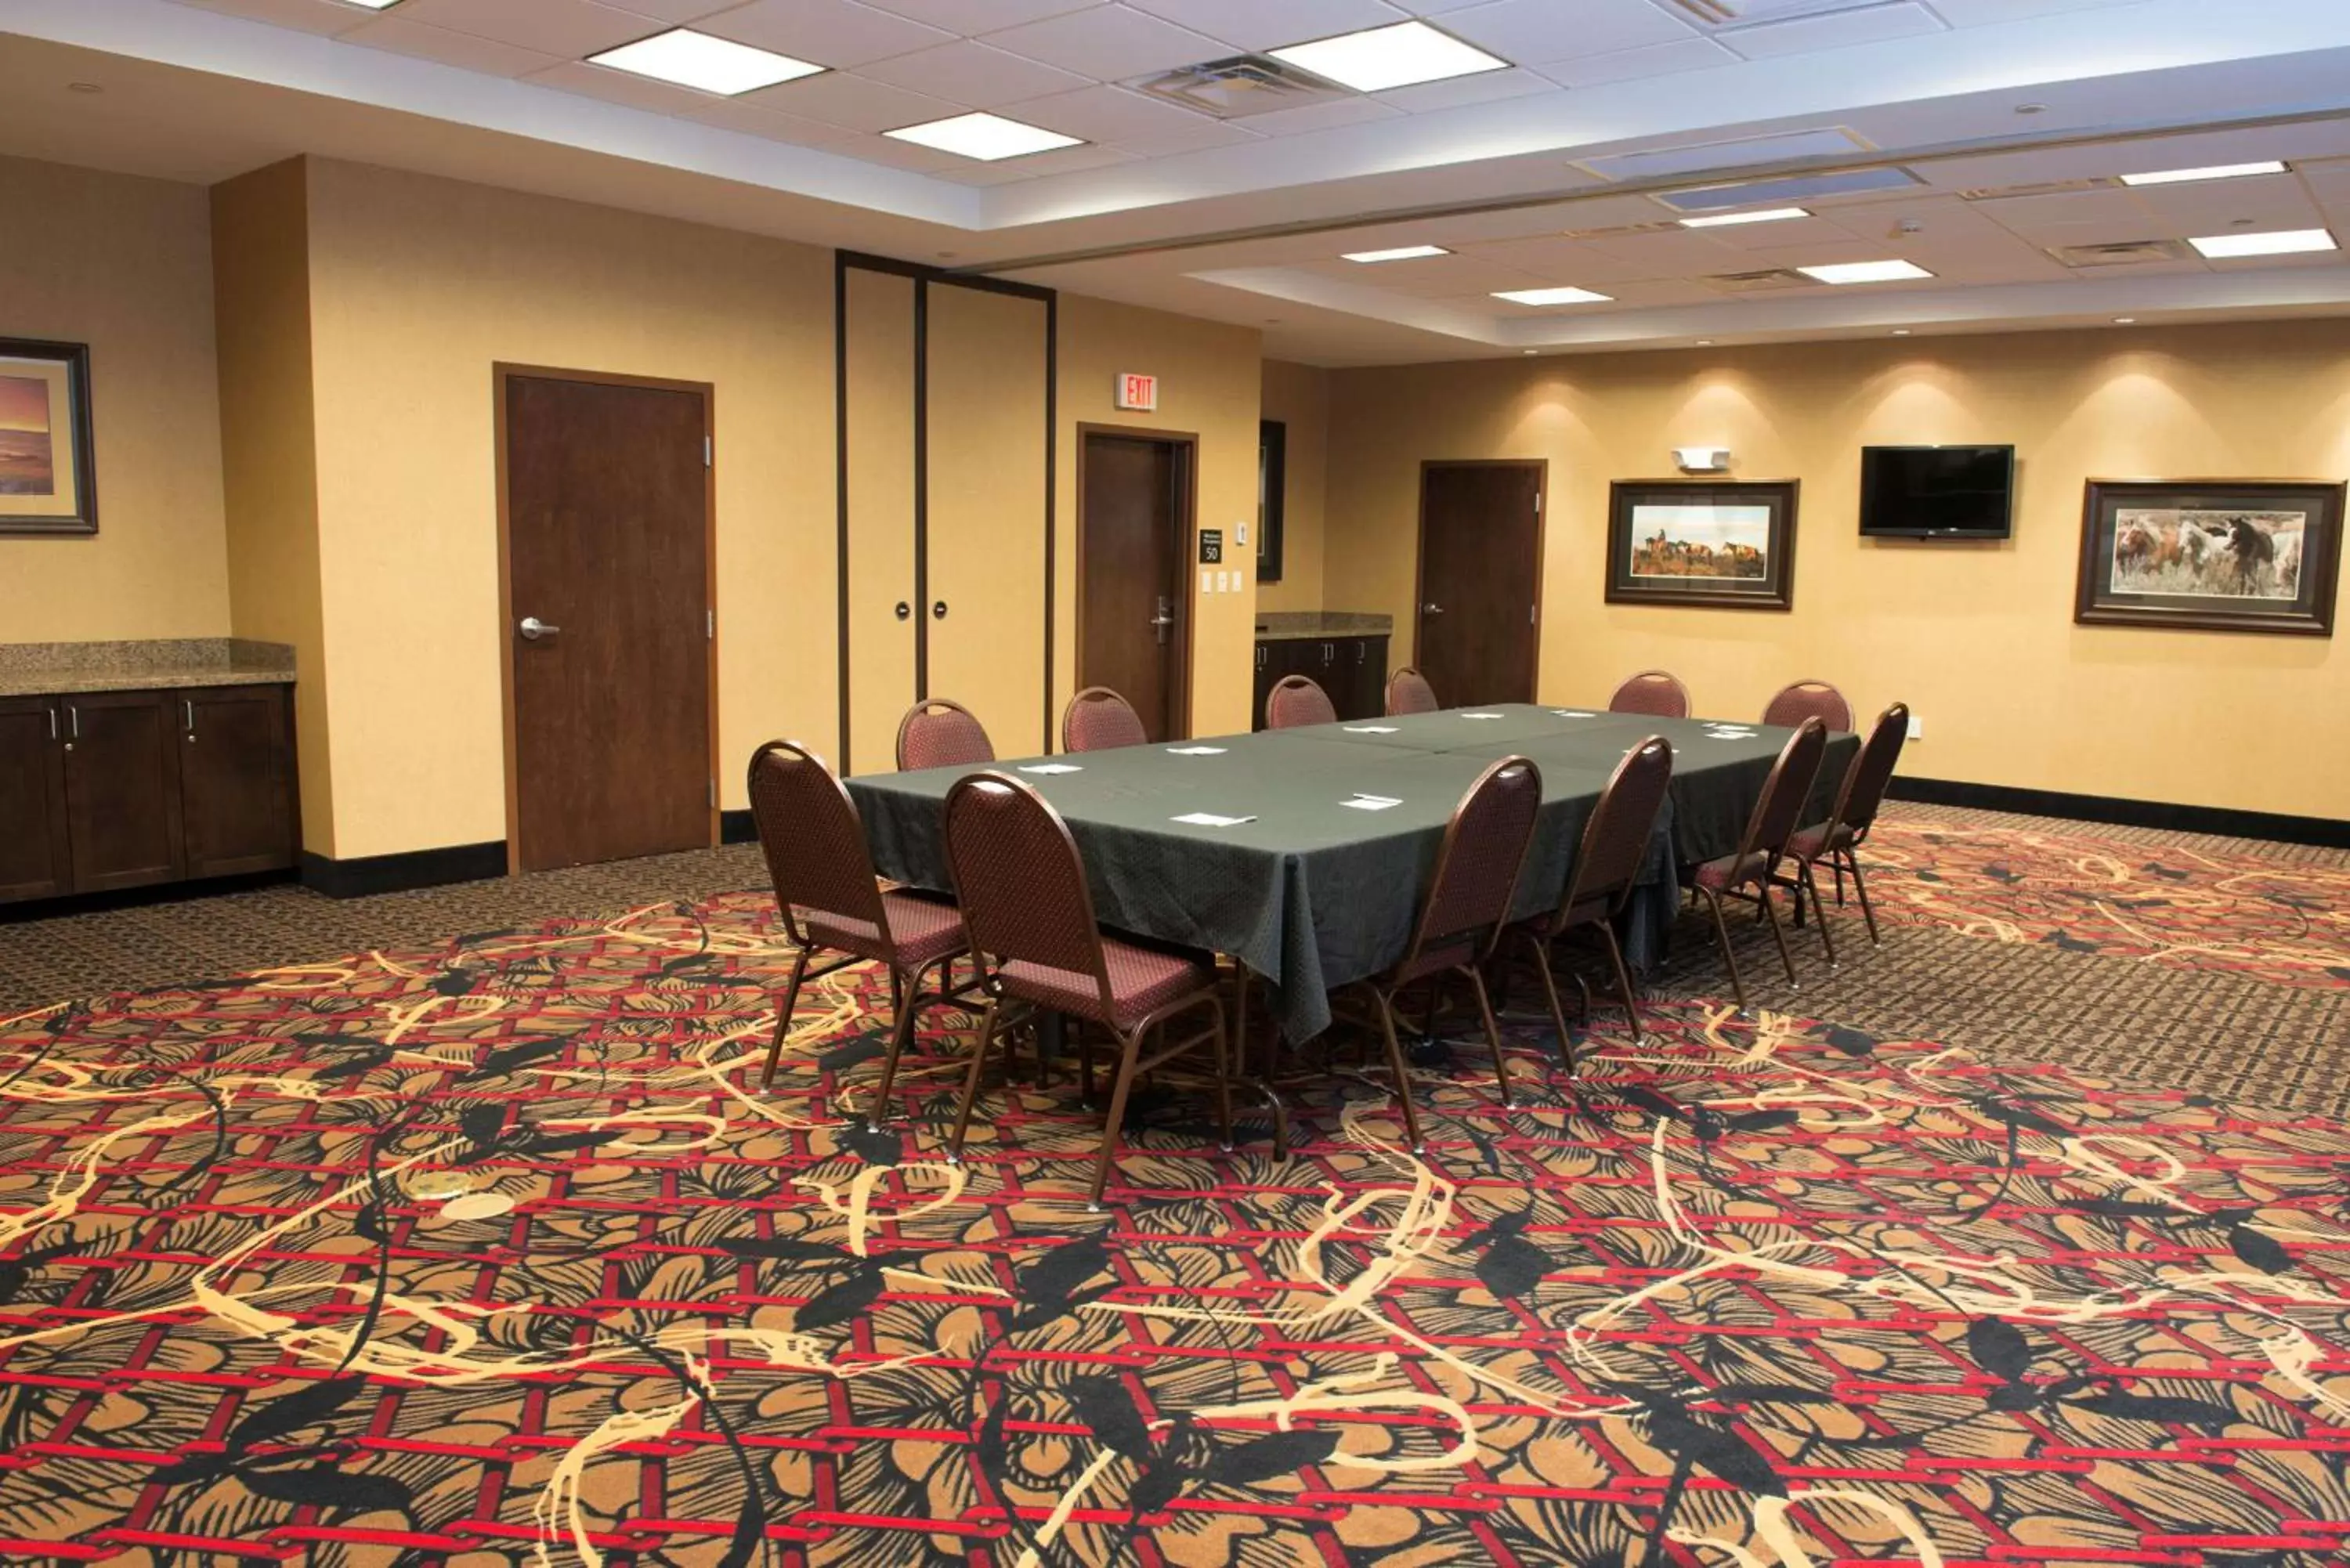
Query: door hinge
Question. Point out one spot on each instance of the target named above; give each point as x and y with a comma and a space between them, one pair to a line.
714, 794
709, 624
705, 452
1533, 613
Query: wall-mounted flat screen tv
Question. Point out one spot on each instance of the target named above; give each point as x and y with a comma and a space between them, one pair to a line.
1936, 492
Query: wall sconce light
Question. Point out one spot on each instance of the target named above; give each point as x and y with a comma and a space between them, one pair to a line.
1702, 459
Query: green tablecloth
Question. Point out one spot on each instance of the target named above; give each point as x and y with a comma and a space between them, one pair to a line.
1312, 893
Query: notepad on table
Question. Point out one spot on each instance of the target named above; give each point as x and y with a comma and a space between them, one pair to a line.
1209, 819
1370, 729
1051, 768
1371, 802
1481, 715
1195, 750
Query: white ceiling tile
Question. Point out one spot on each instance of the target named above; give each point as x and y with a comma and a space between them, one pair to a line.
1674, 252
618, 86
1837, 30
308, 15
756, 119
675, 12
1320, 117
839, 97
1272, 24
972, 73
1536, 32
2276, 202
1436, 7
1484, 86
463, 50
896, 154
567, 29
969, 18
1633, 64
837, 33
1117, 117
1037, 165
1985, 13
1561, 260
1109, 42
2028, 214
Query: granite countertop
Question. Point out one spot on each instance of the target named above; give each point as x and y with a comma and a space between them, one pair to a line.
52, 669
1296, 625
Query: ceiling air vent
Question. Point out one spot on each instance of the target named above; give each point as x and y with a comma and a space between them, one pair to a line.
1759, 282
1242, 86
2123, 254
2045, 188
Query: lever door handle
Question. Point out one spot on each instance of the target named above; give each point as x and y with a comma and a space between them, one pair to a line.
533, 628
1431, 610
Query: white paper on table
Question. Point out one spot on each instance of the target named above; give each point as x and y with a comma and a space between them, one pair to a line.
1371, 802
1369, 729
1571, 713
1481, 715
1210, 819
1051, 768
1195, 750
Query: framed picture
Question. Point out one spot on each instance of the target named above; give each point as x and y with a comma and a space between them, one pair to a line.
2211, 554
48, 483
1701, 541
1272, 496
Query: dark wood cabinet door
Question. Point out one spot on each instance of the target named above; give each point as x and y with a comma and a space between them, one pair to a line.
35, 854
1360, 680
236, 775
122, 789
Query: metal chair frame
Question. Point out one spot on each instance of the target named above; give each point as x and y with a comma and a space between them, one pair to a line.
1297, 684
1648, 680
1409, 672
1841, 841
1809, 739
1098, 694
926, 708
1795, 691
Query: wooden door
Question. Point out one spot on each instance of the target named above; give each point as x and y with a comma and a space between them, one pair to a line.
607, 517
1480, 580
36, 853
123, 790
1133, 612
236, 779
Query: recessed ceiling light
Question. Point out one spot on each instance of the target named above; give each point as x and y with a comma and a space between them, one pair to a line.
2277, 242
2032, 109
1865, 272
1401, 253
1901, 332
1768, 215
373, 5
2216, 171
986, 136
1533, 350
699, 60
1390, 56
2126, 321
1554, 296
1705, 342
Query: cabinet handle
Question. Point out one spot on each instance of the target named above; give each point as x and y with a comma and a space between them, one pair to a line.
53, 709
187, 713
73, 720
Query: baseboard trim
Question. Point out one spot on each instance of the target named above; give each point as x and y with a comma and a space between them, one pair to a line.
368, 874
134, 897
2220, 821
737, 827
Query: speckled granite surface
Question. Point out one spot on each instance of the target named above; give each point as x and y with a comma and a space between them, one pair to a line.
1280, 625
45, 669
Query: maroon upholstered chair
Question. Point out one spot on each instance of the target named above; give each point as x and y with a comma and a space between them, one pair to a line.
1809, 699
1599, 884
823, 874
1838, 838
1409, 692
1098, 719
1747, 872
1030, 917
1464, 911
937, 733
1655, 693
1295, 699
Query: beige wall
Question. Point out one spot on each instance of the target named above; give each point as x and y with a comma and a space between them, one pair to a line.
1299, 396
1209, 385
1977, 639
122, 264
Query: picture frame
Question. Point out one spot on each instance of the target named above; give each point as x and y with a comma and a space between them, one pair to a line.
48, 475
1272, 497
2211, 554
1718, 544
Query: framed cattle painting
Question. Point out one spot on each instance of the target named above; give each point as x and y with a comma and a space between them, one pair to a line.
1720, 544
2217, 555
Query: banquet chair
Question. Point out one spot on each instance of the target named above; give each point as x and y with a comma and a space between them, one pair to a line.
938, 733
814, 841
1029, 914
1655, 693
1809, 699
1296, 700
1409, 692
1747, 872
1838, 839
1098, 719
1606, 865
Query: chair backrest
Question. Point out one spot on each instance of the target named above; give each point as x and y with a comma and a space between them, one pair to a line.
1872, 769
937, 733
1019, 879
813, 839
1098, 719
1655, 693
1615, 835
1477, 865
1295, 699
1809, 699
1779, 809
1409, 692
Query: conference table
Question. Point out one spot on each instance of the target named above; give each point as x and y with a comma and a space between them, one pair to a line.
1301, 853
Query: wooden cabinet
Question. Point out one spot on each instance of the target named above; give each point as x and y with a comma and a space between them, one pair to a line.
128, 789
1352, 669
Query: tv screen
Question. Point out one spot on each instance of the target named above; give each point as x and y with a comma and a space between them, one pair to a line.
1936, 492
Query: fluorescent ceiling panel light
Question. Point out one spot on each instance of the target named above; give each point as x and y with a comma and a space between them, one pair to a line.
2217, 171
1793, 188
986, 136
1768, 215
1390, 56
1554, 296
1865, 272
698, 60
373, 5
2281, 242
1401, 253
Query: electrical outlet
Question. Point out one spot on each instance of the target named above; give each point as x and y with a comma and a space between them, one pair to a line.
1916, 728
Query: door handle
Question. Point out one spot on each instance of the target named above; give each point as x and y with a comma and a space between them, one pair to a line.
938, 610
1431, 610
1164, 619
904, 610
533, 628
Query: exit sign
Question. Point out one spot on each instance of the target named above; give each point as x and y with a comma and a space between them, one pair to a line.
1139, 393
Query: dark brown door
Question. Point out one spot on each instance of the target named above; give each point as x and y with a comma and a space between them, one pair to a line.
36, 855
122, 789
1480, 580
608, 523
237, 778
1132, 607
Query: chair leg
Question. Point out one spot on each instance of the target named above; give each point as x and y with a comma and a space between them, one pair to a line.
1812, 886
1860, 886
1623, 977
970, 1081
1721, 935
1541, 950
1402, 1078
1493, 1033
1835, 866
1770, 913
1130, 1051
784, 1019
1224, 1056
901, 1031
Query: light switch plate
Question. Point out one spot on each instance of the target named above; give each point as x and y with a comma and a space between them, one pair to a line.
1240, 533
1916, 728
1207, 581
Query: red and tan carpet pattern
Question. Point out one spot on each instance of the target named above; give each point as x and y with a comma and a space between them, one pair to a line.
2283, 921
494, 1253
